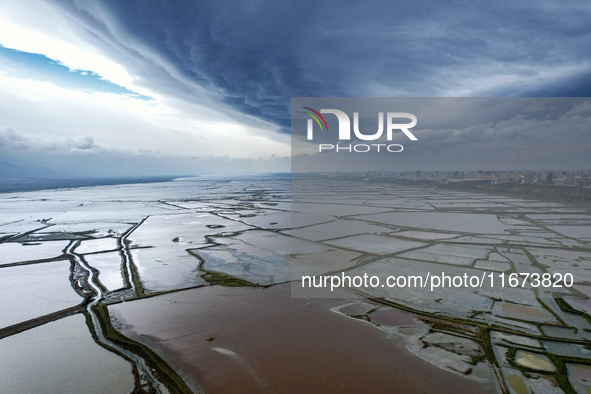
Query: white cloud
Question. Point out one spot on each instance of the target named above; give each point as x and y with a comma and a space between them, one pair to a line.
11, 139
37, 27
120, 121
169, 124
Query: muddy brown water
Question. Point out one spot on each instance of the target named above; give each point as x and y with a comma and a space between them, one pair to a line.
266, 341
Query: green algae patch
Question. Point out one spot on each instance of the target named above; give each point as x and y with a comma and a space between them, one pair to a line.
517, 384
226, 280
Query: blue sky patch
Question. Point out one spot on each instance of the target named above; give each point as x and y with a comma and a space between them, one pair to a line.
39, 67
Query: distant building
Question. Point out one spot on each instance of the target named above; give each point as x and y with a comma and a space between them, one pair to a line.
528, 178
549, 178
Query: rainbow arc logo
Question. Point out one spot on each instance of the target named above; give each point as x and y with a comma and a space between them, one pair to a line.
316, 117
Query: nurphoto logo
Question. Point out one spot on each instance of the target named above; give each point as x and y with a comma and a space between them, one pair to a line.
345, 130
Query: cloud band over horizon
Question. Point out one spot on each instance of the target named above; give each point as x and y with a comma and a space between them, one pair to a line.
214, 79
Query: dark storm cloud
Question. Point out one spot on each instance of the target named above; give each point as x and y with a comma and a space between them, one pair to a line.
254, 55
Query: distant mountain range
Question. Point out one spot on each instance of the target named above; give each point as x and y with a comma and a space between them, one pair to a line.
15, 178
11, 171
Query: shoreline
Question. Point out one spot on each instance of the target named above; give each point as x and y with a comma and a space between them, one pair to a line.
37, 184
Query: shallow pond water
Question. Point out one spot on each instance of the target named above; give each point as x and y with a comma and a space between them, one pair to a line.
61, 357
